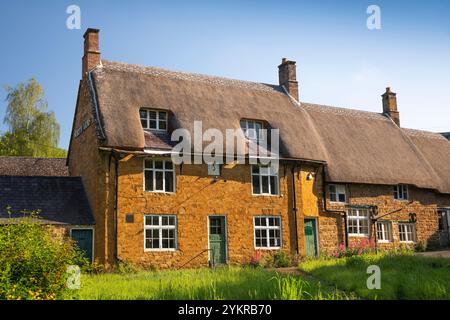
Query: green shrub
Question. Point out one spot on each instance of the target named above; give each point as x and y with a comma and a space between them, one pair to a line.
421, 246
281, 260
34, 260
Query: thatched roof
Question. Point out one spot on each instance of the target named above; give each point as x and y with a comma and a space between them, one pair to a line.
358, 146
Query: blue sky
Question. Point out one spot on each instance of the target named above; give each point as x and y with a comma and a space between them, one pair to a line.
340, 62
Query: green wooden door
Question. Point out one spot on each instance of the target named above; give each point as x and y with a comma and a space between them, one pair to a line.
310, 238
83, 238
217, 240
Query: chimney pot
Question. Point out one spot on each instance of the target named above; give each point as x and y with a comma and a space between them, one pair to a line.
390, 106
91, 57
287, 75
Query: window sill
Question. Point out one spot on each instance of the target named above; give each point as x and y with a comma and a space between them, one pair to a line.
265, 249
160, 250
407, 242
160, 192
265, 195
384, 241
338, 202
358, 235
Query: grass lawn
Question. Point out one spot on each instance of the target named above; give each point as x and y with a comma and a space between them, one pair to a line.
220, 283
402, 276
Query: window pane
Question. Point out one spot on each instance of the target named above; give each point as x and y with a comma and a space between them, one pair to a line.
143, 114
148, 180
255, 184
164, 221
169, 187
158, 164
263, 221
148, 220
168, 165
172, 221
152, 124
257, 221
255, 169
152, 115
273, 185
162, 125
162, 115
341, 197
264, 170
333, 197
332, 188
265, 184
159, 186
144, 123
148, 164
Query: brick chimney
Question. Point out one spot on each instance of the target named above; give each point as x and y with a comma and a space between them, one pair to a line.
91, 56
287, 75
390, 106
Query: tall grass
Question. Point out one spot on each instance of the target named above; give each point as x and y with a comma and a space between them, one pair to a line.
202, 284
402, 276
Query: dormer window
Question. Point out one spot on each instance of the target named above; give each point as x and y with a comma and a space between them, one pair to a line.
252, 129
401, 192
153, 119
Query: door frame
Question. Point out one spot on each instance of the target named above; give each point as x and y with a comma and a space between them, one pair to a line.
225, 234
93, 236
316, 231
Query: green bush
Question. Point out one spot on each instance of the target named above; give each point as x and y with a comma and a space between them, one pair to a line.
34, 260
421, 246
281, 260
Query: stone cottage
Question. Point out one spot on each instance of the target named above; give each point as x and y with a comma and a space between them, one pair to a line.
343, 175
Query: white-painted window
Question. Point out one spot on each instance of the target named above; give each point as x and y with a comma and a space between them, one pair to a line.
153, 119
401, 192
384, 231
267, 232
159, 176
252, 129
337, 193
407, 232
264, 180
160, 232
358, 222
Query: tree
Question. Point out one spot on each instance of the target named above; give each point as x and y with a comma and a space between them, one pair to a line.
32, 131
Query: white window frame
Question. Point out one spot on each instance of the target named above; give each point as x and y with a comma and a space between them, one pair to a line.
358, 218
160, 227
163, 170
246, 126
401, 192
384, 227
406, 232
267, 227
158, 116
340, 190
268, 174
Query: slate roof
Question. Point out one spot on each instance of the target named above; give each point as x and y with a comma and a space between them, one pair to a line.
28, 166
61, 200
358, 146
